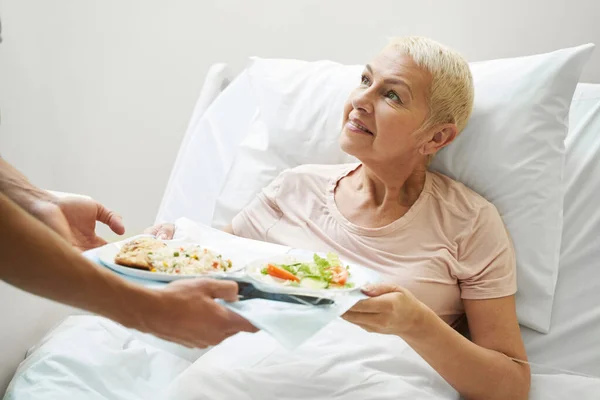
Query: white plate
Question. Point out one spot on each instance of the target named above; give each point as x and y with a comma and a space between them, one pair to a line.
359, 276
107, 253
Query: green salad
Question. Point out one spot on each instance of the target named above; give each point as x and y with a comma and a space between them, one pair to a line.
321, 273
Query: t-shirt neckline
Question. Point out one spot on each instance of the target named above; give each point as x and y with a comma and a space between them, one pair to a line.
381, 231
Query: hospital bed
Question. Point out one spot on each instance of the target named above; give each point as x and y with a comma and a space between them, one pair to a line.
572, 343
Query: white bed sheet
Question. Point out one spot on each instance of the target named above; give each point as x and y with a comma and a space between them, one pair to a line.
342, 362
92, 358
573, 342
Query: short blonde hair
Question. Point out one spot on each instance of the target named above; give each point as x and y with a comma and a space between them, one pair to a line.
451, 93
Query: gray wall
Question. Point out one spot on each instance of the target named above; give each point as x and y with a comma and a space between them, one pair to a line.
96, 95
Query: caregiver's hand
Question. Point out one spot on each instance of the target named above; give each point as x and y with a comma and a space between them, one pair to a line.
81, 215
73, 218
390, 310
185, 312
163, 231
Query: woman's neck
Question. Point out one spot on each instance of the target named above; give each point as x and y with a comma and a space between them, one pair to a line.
386, 187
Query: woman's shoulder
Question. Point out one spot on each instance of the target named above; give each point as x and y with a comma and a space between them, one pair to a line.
454, 194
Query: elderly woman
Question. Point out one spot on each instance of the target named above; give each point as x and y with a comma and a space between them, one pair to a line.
443, 249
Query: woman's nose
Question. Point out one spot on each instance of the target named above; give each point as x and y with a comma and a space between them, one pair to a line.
362, 101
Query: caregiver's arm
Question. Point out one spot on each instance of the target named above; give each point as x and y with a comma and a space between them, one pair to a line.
477, 369
39, 261
17, 187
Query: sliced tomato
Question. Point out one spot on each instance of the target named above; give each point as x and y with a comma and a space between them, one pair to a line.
340, 275
281, 273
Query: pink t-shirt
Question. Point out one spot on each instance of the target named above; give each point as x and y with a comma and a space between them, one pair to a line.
450, 245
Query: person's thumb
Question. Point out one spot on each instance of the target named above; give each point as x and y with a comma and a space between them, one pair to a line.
110, 218
381, 288
226, 290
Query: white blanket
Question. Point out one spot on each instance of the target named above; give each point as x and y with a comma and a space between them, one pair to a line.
340, 362
92, 358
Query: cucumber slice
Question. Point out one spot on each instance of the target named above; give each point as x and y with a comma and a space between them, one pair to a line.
313, 283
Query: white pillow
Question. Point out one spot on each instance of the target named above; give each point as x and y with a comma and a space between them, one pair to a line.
299, 116
572, 343
207, 151
511, 152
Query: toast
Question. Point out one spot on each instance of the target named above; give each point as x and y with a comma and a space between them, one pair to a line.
135, 253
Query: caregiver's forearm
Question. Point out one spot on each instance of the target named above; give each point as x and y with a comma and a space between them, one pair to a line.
37, 260
17, 187
474, 371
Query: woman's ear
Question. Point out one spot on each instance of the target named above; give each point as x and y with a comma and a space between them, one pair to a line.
440, 136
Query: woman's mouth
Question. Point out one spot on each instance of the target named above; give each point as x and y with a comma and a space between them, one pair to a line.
356, 126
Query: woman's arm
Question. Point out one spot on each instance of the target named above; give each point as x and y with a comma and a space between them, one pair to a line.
481, 368
477, 369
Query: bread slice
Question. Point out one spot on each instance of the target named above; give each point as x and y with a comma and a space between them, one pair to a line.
135, 253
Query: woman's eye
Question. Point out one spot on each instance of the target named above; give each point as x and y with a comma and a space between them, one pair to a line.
364, 80
393, 96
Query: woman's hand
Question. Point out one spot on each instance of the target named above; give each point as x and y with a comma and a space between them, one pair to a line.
391, 310
164, 231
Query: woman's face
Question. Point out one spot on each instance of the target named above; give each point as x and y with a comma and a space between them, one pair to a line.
383, 115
